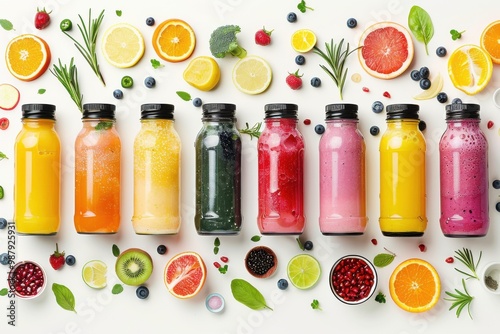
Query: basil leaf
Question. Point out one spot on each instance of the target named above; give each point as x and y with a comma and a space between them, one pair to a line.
117, 289
116, 250
383, 259
248, 295
183, 95
421, 26
6, 24
256, 238
64, 297
4, 292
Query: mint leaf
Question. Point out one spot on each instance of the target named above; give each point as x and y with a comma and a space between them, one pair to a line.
383, 259
6, 24
380, 298
118, 13
116, 250
64, 297
156, 63
104, 125
117, 289
223, 270
42, 91
315, 305
183, 95
248, 295
255, 238
4, 292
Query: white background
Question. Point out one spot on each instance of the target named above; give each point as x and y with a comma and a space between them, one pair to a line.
99, 311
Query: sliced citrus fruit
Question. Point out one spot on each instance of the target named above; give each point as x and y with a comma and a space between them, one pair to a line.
386, 50
123, 45
185, 275
490, 41
303, 40
27, 57
436, 87
252, 75
94, 274
415, 285
202, 73
303, 271
174, 40
470, 68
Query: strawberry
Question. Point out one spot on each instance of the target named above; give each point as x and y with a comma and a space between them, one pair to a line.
263, 37
57, 259
294, 80
42, 18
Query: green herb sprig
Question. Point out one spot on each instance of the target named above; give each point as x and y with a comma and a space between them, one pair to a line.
460, 300
315, 305
420, 24
156, 64
302, 6
89, 34
455, 34
380, 298
467, 258
68, 77
335, 57
254, 131
223, 269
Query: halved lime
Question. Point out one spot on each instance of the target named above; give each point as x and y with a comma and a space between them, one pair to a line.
94, 274
303, 271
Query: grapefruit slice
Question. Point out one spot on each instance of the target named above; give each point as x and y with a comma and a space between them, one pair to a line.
386, 50
185, 275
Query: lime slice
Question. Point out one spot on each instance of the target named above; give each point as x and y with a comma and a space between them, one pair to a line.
303, 271
94, 274
303, 40
252, 75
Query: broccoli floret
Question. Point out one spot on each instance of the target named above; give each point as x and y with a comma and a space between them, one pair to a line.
223, 40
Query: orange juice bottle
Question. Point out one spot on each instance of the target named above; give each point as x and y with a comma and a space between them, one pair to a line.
157, 150
37, 172
97, 171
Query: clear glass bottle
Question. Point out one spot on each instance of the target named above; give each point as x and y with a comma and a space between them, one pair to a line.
463, 156
218, 172
342, 173
37, 172
281, 172
157, 153
402, 173
97, 171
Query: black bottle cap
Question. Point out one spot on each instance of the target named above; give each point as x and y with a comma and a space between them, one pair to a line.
218, 111
462, 111
157, 111
98, 110
341, 111
402, 111
38, 110
281, 110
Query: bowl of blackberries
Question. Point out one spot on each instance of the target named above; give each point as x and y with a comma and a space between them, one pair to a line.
27, 279
261, 262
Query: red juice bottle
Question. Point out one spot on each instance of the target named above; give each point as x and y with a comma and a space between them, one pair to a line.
281, 169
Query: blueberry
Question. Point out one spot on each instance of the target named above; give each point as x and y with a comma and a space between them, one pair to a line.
197, 102
308, 245
291, 17
162, 249
377, 107
496, 184
150, 82
3, 223
142, 292
300, 60
442, 97
316, 82
4, 259
425, 84
70, 260
441, 51
456, 100
415, 75
352, 23
118, 94
282, 284
422, 125
424, 72
150, 21
320, 129
497, 206
374, 130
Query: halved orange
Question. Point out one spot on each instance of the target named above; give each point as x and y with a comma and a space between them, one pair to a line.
490, 41
470, 68
174, 40
185, 274
27, 57
415, 285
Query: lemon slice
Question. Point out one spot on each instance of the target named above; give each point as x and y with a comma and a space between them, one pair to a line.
433, 91
303, 271
303, 40
123, 45
94, 274
470, 69
252, 75
202, 73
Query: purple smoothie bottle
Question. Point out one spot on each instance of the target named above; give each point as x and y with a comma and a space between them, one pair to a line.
463, 155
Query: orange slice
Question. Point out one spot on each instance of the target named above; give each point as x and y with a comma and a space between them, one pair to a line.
27, 57
185, 275
174, 40
470, 69
490, 41
415, 285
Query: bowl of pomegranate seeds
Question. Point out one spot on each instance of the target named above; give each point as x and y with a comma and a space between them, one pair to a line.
27, 279
353, 279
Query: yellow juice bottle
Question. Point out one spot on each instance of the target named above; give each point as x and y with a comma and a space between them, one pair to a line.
402, 173
37, 172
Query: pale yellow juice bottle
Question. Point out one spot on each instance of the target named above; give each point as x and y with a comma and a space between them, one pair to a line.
157, 150
402, 173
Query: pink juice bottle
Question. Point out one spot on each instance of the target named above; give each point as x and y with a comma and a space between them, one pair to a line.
463, 152
342, 173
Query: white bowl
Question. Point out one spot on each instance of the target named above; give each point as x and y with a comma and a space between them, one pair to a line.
490, 275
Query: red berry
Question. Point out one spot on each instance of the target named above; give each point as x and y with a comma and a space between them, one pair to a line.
224, 259
386, 94
307, 121
422, 247
217, 265
42, 18
4, 123
263, 37
294, 80
490, 124
57, 259
449, 260
374, 241
366, 89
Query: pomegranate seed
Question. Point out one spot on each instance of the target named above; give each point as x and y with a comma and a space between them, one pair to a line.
366, 89
386, 94
449, 260
490, 124
307, 121
4, 123
217, 265
374, 241
224, 259
422, 247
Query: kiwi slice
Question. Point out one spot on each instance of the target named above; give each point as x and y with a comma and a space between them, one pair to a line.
134, 266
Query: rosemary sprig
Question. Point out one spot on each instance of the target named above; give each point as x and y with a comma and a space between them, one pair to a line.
89, 33
254, 131
335, 57
467, 258
460, 300
68, 77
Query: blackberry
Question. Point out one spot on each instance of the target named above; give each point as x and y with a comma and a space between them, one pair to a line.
259, 261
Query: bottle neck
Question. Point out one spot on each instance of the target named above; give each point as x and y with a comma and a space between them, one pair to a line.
281, 122
466, 122
155, 123
337, 123
401, 123
38, 123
